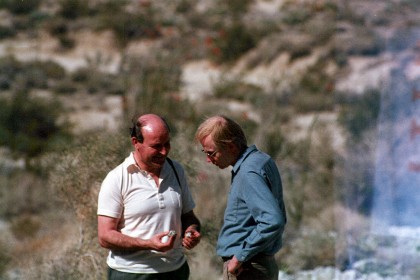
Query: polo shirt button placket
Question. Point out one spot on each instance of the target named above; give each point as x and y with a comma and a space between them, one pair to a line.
160, 201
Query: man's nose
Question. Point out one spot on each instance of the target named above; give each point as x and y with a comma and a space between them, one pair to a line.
165, 150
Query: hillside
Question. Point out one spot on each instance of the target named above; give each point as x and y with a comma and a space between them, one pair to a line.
304, 78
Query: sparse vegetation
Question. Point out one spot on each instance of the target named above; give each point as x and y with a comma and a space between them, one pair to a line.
19, 8
50, 199
360, 113
28, 126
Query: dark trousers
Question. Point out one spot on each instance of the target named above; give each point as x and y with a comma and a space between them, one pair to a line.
182, 273
261, 267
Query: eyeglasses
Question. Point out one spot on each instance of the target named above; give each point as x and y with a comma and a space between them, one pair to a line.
210, 154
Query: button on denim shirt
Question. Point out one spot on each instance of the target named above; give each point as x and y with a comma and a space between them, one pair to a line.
255, 215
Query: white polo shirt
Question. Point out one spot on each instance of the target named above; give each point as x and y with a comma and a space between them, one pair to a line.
144, 210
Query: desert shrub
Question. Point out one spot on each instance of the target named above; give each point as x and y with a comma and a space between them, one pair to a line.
111, 6
57, 26
72, 9
185, 6
20, 7
65, 86
237, 90
28, 126
7, 32
155, 81
9, 68
131, 26
359, 113
307, 168
27, 75
66, 42
313, 249
273, 141
86, 153
93, 81
314, 91
235, 8
305, 102
4, 258
295, 14
76, 180
358, 116
50, 69
25, 226
232, 42
23, 194
358, 40
355, 174
320, 31
31, 77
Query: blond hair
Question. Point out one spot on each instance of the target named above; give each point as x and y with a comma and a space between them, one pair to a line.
223, 130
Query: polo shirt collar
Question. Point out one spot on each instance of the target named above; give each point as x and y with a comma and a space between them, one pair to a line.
132, 167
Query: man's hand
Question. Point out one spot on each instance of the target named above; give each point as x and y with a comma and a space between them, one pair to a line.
234, 266
161, 244
191, 238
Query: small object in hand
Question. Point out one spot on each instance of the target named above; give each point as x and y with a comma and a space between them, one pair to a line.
166, 237
188, 234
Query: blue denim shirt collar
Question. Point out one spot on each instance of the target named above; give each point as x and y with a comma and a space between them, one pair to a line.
242, 157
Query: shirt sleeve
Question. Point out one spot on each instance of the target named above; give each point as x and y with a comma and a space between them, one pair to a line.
265, 211
110, 198
188, 203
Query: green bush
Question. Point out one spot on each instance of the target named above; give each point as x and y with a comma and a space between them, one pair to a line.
78, 191
4, 258
359, 113
295, 15
20, 7
155, 81
7, 32
28, 75
131, 26
238, 90
93, 81
305, 102
232, 42
50, 69
65, 86
28, 126
72, 9
9, 68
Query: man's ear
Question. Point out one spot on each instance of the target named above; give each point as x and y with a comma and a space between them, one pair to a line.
134, 141
232, 148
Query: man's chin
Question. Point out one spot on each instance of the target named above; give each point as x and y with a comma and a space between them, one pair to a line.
220, 167
159, 162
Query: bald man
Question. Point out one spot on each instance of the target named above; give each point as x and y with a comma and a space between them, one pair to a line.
145, 209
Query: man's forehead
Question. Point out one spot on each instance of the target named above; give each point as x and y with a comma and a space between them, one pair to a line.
208, 141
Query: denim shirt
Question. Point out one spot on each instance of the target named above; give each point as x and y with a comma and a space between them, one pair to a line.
255, 215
